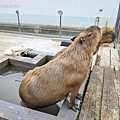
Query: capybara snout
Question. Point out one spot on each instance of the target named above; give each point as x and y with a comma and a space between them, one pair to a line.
62, 76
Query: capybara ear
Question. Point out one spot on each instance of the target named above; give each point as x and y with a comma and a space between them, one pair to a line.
72, 39
81, 41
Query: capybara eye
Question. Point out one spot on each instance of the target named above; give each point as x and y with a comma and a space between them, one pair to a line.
89, 34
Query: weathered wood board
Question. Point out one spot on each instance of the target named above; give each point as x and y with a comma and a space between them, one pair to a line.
92, 101
117, 84
114, 62
110, 108
93, 60
105, 57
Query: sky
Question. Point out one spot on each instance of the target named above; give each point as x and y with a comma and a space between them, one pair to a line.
80, 8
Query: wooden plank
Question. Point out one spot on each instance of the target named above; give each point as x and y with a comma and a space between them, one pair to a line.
105, 57
94, 60
100, 50
115, 59
117, 84
91, 106
112, 45
110, 108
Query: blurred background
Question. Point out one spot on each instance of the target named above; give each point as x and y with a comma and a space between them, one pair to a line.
42, 16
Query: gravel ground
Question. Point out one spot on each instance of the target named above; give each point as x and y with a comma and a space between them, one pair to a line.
38, 43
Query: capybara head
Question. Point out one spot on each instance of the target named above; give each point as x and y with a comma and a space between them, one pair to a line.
85, 35
107, 37
62, 76
90, 37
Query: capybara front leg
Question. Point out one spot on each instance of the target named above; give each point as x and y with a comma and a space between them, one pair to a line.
79, 96
72, 104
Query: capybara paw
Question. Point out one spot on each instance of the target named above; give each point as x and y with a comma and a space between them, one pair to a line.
79, 96
74, 107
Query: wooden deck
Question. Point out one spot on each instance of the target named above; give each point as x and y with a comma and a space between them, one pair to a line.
102, 98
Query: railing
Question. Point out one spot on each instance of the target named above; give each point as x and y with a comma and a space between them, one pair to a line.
118, 37
42, 30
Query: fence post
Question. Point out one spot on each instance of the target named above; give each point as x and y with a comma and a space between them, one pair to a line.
19, 27
60, 13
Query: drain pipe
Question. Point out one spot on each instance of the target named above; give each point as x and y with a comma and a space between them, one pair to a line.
60, 14
17, 12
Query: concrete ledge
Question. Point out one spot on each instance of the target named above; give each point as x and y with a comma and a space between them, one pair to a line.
39, 59
4, 63
15, 112
22, 61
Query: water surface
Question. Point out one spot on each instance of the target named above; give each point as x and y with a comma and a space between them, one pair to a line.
10, 79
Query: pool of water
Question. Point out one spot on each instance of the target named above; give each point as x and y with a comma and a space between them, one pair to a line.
10, 79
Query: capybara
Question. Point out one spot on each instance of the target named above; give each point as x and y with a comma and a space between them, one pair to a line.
62, 76
107, 36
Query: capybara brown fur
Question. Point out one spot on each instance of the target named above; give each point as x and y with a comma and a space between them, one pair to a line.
59, 52
62, 76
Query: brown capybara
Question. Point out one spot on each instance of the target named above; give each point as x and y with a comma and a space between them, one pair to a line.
62, 76
107, 36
